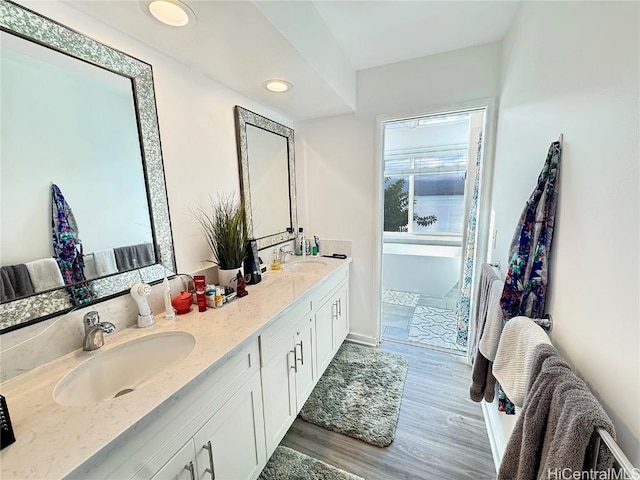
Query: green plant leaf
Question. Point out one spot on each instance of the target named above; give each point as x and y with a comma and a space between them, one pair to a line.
224, 227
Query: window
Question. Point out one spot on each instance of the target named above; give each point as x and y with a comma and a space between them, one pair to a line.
424, 172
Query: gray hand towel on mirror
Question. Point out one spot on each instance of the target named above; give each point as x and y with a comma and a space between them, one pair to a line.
134, 256
16, 282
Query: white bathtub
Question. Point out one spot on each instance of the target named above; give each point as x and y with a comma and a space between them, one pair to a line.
425, 269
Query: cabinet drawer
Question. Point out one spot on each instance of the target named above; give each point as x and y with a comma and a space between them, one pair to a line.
330, 286
281, 328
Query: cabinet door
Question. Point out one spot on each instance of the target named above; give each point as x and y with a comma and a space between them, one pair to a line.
304, 356
279, 393
341, 328
324, 335
231, 444
180, 466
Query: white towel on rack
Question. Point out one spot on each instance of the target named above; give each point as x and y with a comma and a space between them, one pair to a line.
45, 274
493, 324
105, 261
512, 366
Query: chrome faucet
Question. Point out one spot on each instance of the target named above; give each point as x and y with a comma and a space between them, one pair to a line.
283, 254
94, 331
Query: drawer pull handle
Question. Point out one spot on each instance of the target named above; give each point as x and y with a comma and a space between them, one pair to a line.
211, 470
301, 352
295, 359
189, 468
340, 307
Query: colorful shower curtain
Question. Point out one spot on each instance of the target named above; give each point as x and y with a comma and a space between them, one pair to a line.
525, 286
67, 248
464, 303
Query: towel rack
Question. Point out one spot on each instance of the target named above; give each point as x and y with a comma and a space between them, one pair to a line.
600, 436
546, 322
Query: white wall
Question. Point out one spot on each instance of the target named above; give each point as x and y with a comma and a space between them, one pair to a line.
197, 129
573, 68
336, 159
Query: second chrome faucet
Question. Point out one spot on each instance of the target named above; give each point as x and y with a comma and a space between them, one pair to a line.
94, 331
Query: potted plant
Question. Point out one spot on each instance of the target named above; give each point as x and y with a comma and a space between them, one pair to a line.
224, 227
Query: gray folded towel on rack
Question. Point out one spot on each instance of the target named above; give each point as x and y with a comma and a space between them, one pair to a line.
45, 274
16, 282
556, 424
134, 256
488, 275
483, 383
493, 325
482, 380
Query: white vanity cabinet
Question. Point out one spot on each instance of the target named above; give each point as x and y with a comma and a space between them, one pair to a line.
296, 350
288, 371
341, 315
230, 446
332, 323
181, 466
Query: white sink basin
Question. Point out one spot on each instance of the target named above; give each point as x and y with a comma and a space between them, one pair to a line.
304, 266
122, 369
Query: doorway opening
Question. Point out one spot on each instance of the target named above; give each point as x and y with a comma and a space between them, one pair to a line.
431, 185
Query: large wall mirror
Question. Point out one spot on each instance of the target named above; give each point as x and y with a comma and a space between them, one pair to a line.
267, 177
83, 203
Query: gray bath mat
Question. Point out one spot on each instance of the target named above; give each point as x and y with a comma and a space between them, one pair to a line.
359, 394
287, 464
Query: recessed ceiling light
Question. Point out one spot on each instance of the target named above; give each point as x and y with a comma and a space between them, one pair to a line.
170, 12
278, 86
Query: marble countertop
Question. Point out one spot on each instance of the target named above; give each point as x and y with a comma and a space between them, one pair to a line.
52, 440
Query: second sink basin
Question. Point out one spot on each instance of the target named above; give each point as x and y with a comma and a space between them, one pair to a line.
304, 266
122, 369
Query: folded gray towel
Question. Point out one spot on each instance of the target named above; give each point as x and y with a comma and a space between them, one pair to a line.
556, 423
134, 256
16, 282
8, 292
483, 383
482, 380
487, 276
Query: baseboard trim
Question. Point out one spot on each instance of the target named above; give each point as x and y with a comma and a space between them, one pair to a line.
362, 339
493, 431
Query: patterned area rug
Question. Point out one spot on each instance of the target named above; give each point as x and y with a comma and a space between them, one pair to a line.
434, 326
400, 298
359, 394
287, 464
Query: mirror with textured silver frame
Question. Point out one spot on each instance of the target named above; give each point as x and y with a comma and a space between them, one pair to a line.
84, 56
267, 177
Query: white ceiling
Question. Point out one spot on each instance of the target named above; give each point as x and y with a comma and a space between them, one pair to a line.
242, 43
374, 33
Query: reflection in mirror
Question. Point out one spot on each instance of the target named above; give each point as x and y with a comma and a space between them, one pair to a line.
83, 200
269, 180
267, 177
44, 96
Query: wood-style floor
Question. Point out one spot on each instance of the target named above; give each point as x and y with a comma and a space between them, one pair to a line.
440, 435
